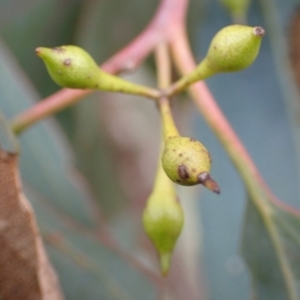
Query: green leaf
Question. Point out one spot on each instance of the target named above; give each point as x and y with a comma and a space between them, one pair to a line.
271, 247
87, 267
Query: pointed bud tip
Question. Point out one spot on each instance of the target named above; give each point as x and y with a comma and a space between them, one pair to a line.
42, 51
205, 179
259, 31
38, 51
165, 261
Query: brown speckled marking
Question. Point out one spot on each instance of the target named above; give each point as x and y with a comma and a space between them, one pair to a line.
194, 170
58, 49
192, 140
67, 62
183, 173
180, 154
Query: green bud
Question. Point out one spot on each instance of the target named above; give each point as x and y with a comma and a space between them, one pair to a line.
187, 162
163, 219
234, 48
72, 67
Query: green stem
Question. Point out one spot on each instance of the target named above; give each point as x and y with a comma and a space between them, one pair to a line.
202, 72
169, 127
117, 84
163, 184
162, 59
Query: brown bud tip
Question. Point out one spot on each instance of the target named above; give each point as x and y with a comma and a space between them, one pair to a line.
205, 179
259, 31
37, 51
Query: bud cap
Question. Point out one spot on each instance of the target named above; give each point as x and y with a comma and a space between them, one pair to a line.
71, 66
163, 221
234, 48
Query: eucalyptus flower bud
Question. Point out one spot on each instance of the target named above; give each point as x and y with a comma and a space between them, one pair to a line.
232, 49
72, 67
163, 219
187, 162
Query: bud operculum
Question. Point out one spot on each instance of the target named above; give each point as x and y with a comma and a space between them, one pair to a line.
72, 67
234, 48
186, 161
163, 222
163, 218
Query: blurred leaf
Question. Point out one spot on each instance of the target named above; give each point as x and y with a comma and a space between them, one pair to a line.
60, 198
88, 269
271, 247
25, 271
104, 27
26, 25
254, 103
271, 239
282, 29
99, 155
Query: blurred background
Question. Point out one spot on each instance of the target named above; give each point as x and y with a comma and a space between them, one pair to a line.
88, 170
